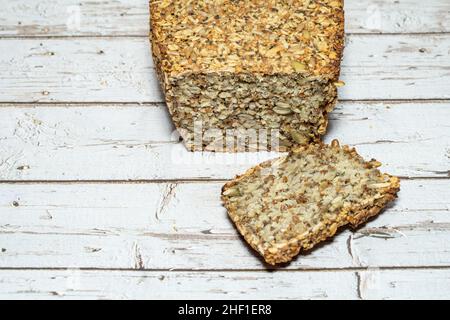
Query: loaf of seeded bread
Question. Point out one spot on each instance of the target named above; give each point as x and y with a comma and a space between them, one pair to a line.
292, 203
248, 74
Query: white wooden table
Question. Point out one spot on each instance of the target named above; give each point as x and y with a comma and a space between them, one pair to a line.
96, 203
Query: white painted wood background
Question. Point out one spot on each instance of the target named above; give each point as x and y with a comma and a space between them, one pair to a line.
99, 200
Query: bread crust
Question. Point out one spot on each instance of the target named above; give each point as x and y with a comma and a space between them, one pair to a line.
353, 216
317, 25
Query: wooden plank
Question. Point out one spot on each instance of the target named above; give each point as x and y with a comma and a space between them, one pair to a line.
406, 16
396, 67
76, 284
77, 70
183, 226
130, 17
138, 226
114, 142
121, 69
405, 284
107, 284
25, 18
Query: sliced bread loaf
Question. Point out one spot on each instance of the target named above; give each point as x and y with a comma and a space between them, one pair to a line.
270, 67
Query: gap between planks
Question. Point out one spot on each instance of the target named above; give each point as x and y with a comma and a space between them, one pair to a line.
131, 36
160, 181
263, 269
88, 104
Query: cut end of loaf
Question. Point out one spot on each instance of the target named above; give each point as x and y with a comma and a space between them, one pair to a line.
290, 204
246, 112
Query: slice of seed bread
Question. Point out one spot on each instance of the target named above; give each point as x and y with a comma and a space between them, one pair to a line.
292, 203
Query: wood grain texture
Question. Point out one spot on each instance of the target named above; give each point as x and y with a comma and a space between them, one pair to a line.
121, 69
25, 18
95, 70
404, 284
405, 16
102, 284
81, 102
114, 142
76, 284
183, 226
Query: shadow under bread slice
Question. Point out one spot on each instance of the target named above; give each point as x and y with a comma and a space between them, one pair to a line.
292, 203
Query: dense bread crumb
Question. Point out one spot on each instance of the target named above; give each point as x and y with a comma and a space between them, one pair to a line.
292, 203
253, 64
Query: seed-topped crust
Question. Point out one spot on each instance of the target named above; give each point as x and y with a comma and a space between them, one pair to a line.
255, 36
292, 203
